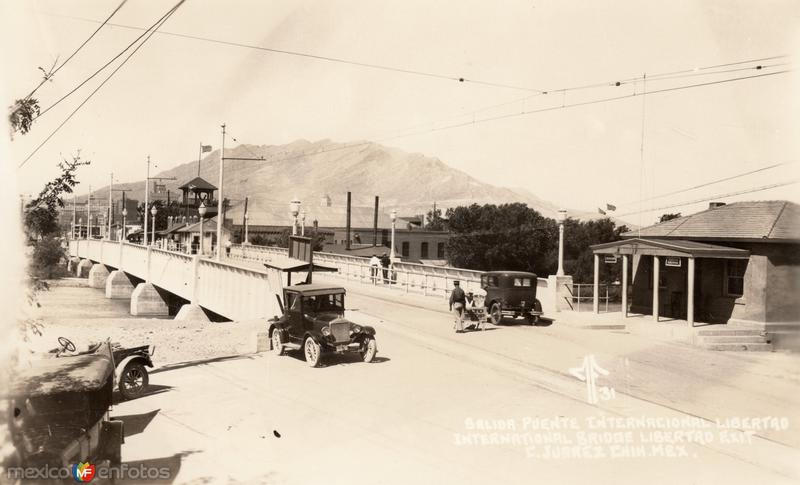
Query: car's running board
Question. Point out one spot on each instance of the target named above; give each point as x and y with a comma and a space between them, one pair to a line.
291, 346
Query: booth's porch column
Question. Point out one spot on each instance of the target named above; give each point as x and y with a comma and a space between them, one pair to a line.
656, 268
690, 293
596, 286
625, 286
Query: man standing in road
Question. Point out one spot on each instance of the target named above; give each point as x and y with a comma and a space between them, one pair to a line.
457, 302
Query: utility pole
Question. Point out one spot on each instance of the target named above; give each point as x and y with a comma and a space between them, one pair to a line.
219, 198
89, 214
146, 198
110, 212
74, 214
220, 214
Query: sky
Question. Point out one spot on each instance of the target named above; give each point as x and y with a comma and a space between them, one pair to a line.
175, 92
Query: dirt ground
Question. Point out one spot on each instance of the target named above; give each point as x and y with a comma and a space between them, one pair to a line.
100, 318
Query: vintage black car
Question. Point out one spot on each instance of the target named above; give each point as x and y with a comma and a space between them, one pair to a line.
131, 364
511, 294
59, 411
313, 320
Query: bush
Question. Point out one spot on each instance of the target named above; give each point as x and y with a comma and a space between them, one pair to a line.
46, 258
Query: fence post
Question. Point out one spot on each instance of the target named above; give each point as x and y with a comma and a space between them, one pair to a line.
425, 284
606, 297
195, 279
579, 297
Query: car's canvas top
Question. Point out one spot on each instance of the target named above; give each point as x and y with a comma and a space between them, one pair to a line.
62, 374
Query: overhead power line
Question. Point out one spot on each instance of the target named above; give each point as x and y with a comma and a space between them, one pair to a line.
153, 28
448, 77
715, 197
712, 182
525, 113
50, 75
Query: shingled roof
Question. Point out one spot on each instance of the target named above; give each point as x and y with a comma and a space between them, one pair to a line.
197, 183
772, 220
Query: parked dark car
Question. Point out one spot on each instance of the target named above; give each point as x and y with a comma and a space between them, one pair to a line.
313, 320
59, 411
511, 294
131, 364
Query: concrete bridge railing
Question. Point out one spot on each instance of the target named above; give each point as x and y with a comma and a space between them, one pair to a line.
225, 288
407, 277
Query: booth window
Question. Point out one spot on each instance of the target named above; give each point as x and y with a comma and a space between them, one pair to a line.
404, 249
423, 251
440, 250
734, 277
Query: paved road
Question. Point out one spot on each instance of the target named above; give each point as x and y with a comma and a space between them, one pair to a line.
418, 415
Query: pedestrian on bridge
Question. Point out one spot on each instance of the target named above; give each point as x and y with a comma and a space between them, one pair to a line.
457, 302
374, 265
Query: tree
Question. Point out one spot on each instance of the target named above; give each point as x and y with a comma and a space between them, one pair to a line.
282, 241
47, 254
509, 236
435, 220
24, 111
668, 217
41, 222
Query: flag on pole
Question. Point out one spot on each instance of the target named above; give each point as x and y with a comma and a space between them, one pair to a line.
205, 148
610, 207
601, 211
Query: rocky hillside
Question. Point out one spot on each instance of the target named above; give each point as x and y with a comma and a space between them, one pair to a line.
410, 182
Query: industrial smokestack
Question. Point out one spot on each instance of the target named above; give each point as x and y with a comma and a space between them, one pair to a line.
347, 238
375, 225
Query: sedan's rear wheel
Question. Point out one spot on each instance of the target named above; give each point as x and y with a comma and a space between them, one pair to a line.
496, 313
313, 352
370, 349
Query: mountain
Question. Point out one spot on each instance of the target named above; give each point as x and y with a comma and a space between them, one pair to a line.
408, 182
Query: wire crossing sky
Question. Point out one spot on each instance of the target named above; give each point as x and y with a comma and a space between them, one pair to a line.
253, 66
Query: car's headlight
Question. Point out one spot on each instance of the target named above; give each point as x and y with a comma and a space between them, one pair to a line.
356, 329
326, 331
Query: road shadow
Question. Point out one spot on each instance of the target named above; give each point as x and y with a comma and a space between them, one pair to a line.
136, 423
162, 470
330, 360
182, 365
152, 389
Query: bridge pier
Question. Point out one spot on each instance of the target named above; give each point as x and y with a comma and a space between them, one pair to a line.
145, 301
118, 285
82, 271
98, 275
191, 313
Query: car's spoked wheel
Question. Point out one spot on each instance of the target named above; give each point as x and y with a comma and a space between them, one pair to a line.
277, 342
370, 348
133, 381
496, 314
313, 352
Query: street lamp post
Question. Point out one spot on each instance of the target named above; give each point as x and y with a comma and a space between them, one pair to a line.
153, 212
562, 217
89, 214
303, 222
80, 227
124, 215
294, 208
394, 220
202, 211
246, 227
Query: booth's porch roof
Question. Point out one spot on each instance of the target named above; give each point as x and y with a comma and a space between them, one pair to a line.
669, 247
